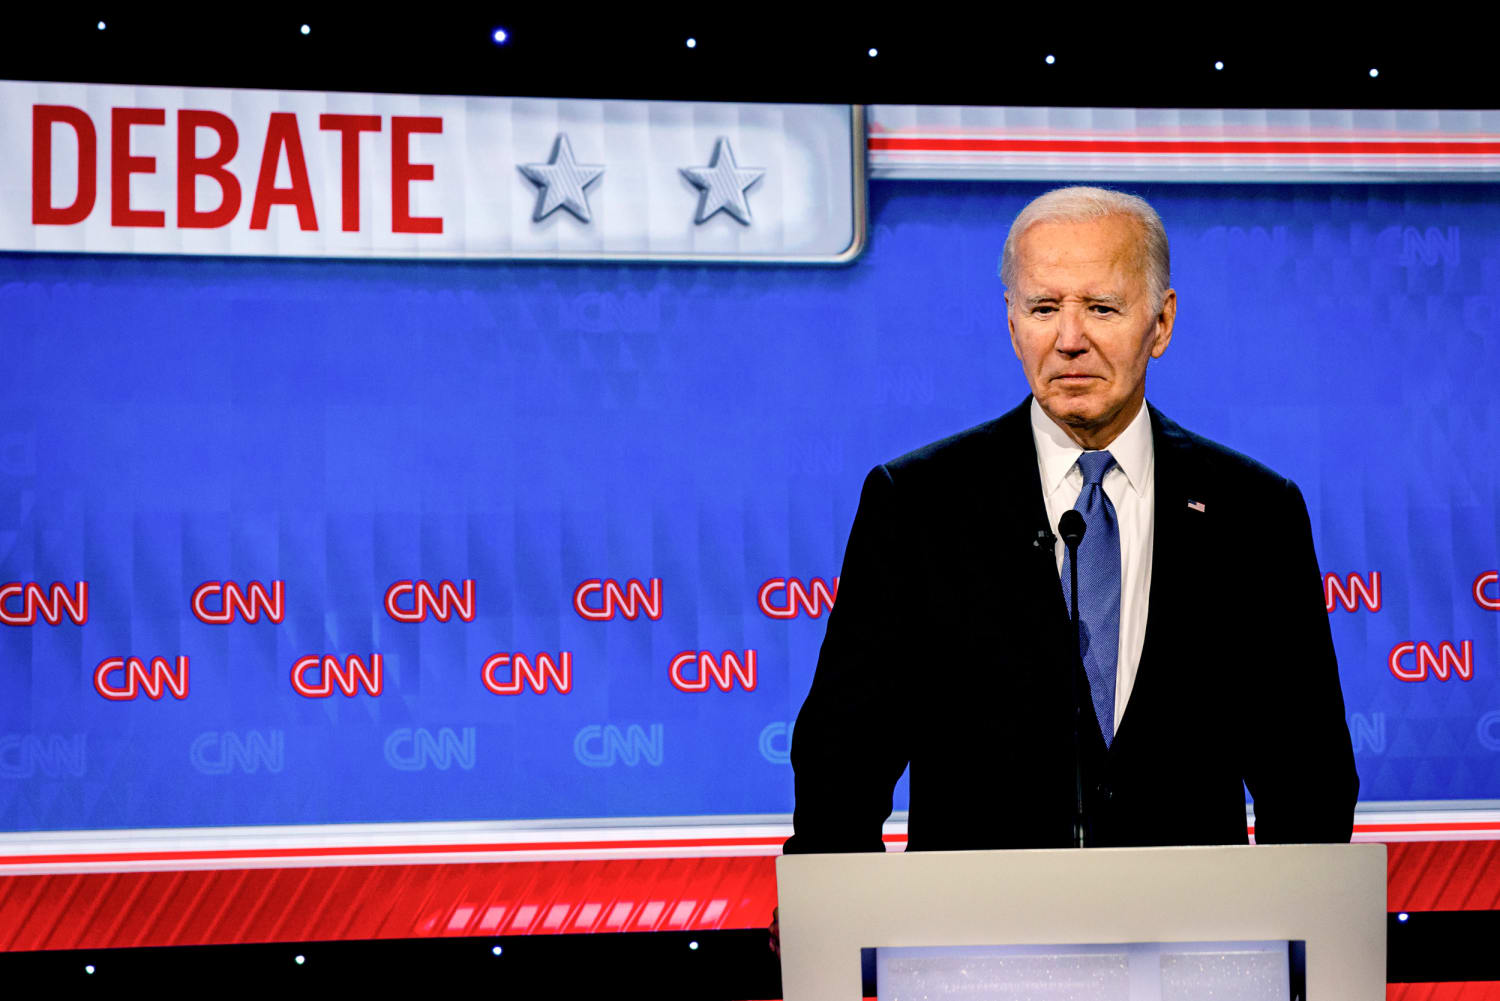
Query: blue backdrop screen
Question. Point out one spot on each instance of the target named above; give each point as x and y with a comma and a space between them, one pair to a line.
342, 427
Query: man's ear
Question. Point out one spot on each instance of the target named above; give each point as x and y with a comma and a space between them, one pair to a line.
1010, 325
1164, 322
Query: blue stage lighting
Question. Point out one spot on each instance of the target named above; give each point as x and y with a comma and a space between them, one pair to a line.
1051, 59
89, 969
1374, 72
300, 960
874, 52
692, 43
1402, 917
500, 36
307, 29
694, 945
100, 26
497, 950
1219, 65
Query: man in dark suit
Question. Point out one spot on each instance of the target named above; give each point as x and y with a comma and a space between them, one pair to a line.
1207, 662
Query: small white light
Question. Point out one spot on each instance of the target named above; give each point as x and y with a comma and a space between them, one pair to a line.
1402, 917
693, 946
874, 52
501, 36
90, 968
1219, 65
307, 29
692, 43
1374, 72
300, 960
1051, 59
101, 28
497, 950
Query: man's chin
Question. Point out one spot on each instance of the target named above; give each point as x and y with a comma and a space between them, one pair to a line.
1068, 412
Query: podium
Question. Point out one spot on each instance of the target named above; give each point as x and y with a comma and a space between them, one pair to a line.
1303, 922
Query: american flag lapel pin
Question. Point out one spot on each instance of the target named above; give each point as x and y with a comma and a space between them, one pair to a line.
1196, 506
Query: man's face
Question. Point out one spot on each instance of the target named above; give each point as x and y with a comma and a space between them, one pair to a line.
1081, 322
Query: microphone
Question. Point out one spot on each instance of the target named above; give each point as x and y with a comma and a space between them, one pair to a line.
1071, 527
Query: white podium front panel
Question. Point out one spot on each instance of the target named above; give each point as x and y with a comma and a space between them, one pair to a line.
1330, 897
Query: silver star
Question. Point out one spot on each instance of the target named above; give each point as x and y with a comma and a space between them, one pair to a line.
723, 183
561, 181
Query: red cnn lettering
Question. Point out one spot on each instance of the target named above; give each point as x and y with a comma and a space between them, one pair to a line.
813, 597
1481, 583
154, 682
122, 165
51, 603
1335, 593
629, 601
350, 676
43, 118
349, 127
190, 167
722, 672
404, 172
248, 603
443, 602
1402, 673
521, 671
1448, 658
282, 134
1442, 662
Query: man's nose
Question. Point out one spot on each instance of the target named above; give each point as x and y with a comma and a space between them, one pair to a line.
1071, 339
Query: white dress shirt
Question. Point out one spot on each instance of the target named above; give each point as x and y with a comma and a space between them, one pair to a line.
1131, 487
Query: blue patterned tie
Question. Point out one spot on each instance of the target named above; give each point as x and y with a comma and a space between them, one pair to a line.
1098, 588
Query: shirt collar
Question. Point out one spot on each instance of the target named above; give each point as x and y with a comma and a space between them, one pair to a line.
1057, 454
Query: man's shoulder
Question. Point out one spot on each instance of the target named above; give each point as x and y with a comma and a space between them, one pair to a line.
1194, 455
959, 454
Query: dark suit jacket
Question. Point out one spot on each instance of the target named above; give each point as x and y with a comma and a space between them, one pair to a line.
948, 651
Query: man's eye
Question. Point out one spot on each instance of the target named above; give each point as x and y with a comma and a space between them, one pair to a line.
1098, 308
1044, 310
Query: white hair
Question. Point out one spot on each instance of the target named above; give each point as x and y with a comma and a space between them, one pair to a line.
1083, 204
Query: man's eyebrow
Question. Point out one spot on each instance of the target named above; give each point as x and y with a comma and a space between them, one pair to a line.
1102, 298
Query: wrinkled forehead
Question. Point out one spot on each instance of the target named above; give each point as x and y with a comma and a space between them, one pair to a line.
1097, 252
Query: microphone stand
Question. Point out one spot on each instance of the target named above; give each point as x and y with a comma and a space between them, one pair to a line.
1072, 529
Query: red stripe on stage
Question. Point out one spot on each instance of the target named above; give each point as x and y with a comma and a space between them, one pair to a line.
1220, 147
1427, 828
374, 850
1477, 990
364, 851
226, 906
1443, 876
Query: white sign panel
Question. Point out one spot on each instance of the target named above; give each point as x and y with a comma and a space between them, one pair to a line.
166, 170
922, 142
